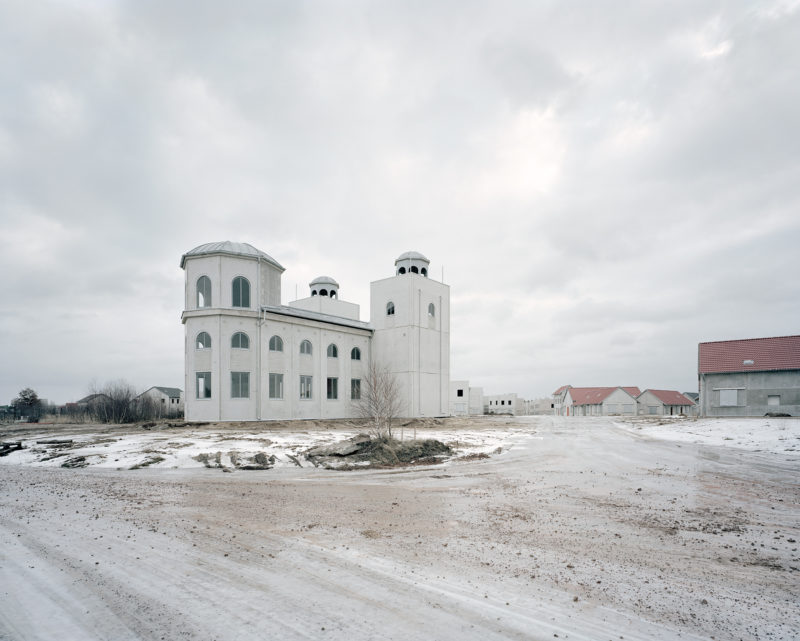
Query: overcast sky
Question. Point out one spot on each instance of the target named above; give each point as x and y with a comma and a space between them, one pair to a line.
603, 185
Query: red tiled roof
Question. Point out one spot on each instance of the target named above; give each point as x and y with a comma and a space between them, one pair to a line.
749, 355
670, 397
593, 395
561, 389
633, 391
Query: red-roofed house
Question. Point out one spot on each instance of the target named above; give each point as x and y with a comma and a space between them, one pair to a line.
662, 402
599, 401
749, 377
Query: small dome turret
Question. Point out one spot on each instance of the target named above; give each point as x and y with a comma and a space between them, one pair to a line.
324, 286
412, 263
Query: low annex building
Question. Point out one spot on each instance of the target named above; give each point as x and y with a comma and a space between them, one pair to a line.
663, 402
596, 401
749, 377
248, 357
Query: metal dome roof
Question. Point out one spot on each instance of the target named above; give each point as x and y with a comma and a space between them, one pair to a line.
411, 256
231, 249
324, 280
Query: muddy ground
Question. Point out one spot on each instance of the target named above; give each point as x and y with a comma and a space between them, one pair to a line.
577, 529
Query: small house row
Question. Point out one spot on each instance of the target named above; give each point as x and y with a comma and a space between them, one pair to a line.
621, 401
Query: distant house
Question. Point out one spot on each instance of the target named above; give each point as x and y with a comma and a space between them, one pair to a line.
749, 377
599, 401
92, 401
167, 401
660, 402
558, 400
504, 404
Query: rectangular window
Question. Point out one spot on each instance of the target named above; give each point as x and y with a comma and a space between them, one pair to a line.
305, 387
460, 393
276, 385
628, 408
203, 384
652, 409
355, 389
773, 399
240, 384
728, 397
333, 389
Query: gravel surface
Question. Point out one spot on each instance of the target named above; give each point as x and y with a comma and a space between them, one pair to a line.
575, 529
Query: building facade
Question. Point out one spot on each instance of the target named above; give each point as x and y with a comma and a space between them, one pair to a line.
659, 402
749, 377
596, 401
167, 402
465, 400
248, 357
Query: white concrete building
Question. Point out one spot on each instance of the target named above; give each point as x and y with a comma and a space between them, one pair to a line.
599, 401
504, 404
250, 358
167, 401
465, 400
659, 402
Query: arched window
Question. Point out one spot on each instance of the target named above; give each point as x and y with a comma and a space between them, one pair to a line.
276, 344
203, 341
431, 310
402, 270
305, 347
333, 351
355, 354
414, 269
313, 292
240, 341
241, 292
323, 292
204, 291
390, 308
423, 271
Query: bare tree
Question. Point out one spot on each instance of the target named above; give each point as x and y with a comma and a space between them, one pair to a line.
380, 400
114, 402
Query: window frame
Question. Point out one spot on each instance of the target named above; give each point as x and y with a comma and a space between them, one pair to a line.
306, 387
240, 385
725, 400
332, 388
241, 336
243, 293
333, 351
390, 309
205, 280
197, 340
275, 392
206, 378
306, 351
355, 354
355, 389
278, 343
431, 310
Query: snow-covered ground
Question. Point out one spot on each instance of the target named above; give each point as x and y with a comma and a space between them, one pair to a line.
573, 528
184, 447
756, 434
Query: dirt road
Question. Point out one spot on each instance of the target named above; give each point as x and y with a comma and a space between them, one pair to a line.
579, 530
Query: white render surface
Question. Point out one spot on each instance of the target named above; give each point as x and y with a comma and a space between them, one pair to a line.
414, 342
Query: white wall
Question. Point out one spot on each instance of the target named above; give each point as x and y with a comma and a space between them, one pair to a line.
414, 345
